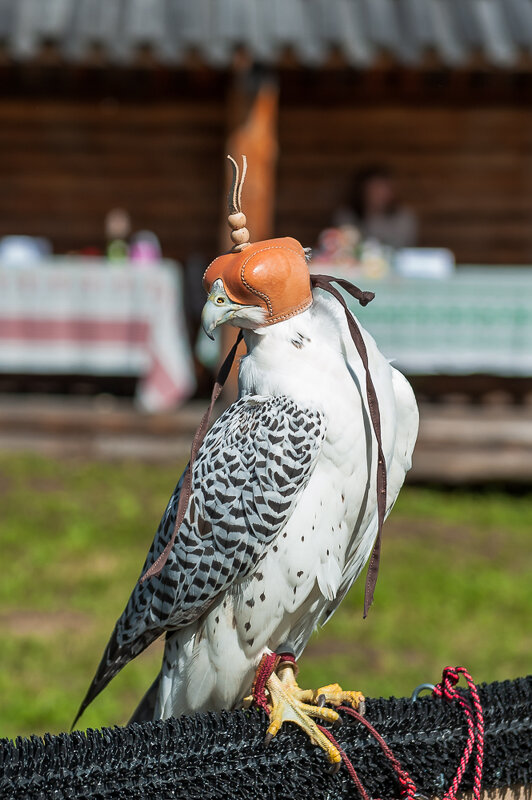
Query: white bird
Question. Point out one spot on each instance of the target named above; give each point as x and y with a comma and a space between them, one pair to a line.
283, 512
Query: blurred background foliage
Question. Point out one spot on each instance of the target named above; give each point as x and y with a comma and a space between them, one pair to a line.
454, 588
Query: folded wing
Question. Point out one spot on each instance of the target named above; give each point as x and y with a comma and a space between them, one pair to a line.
249, 473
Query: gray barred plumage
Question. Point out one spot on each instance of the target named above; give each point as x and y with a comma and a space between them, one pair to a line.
249, 473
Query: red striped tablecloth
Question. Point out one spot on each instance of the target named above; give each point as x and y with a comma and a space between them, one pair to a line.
86, 316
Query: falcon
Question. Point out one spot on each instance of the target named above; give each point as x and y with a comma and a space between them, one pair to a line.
282, 503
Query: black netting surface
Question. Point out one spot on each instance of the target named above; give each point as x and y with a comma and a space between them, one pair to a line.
223, 756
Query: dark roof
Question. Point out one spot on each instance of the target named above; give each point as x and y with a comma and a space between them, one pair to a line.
455, 31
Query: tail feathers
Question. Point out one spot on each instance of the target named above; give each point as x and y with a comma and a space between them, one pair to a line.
114, 658
145, 711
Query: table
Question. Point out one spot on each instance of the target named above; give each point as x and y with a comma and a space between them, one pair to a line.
88, 316
477, 322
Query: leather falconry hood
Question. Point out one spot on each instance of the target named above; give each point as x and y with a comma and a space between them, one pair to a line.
272, 274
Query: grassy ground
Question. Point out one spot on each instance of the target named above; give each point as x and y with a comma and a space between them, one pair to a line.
454, 588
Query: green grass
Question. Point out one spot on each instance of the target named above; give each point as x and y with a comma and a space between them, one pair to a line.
454, 588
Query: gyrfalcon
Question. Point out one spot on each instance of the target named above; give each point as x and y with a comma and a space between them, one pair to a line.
283, 510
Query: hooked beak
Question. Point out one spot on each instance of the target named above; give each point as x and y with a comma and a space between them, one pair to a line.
213, 315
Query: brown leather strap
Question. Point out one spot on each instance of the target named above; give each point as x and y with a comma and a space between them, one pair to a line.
325, 282
184, 496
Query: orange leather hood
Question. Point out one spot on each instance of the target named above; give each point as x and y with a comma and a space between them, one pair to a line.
272, 274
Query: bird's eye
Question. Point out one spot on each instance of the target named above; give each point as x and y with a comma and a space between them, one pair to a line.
220, 301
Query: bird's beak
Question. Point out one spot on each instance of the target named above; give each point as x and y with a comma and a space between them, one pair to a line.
214, 315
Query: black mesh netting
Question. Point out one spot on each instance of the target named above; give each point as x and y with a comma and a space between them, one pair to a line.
218, 756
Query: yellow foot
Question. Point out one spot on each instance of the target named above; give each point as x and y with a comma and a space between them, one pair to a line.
289, 703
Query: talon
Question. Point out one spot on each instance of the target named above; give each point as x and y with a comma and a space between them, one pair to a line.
362, 708
355, 699
334, 769
306, 708
338, 722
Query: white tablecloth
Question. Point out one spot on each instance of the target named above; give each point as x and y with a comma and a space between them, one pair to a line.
478, 321
87, 316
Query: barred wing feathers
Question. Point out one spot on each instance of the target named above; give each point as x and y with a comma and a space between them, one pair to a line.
249, 473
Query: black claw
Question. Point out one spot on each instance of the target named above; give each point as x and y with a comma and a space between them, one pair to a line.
320, 700
267, 739
338, 722
335, 768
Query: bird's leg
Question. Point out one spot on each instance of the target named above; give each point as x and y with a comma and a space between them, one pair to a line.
288, 703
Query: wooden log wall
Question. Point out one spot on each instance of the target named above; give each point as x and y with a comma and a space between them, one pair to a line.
64, 164
466, 171
465, 168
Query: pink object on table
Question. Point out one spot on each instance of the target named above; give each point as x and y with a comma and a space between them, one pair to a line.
145, 249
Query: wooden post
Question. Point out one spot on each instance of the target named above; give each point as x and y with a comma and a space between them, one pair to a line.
252, 111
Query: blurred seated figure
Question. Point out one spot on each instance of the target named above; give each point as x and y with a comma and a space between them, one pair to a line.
375, 210
117, 231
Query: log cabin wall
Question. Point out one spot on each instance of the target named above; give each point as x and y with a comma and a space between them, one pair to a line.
64, 164
465, 168
74, 144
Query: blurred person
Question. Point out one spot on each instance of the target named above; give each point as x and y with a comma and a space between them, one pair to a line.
375, 210
117, 231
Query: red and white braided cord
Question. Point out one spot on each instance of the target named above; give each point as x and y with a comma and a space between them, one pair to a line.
445, 690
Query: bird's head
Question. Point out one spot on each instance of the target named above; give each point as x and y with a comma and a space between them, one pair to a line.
254, 285
266, 283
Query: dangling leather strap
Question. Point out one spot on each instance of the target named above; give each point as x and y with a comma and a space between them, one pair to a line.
184, 496
320, 282
324, 282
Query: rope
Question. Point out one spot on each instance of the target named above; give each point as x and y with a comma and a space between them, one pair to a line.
472, 711
347, 761
475, 726
475, 736
408, 787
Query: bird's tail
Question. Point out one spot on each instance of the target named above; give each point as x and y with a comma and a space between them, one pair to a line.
145, 711
114, 658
